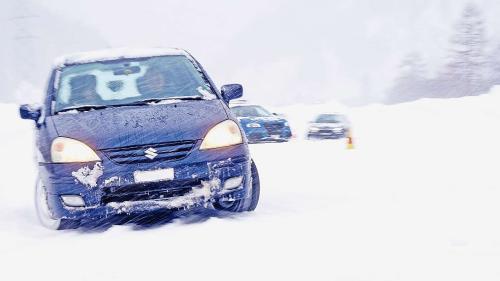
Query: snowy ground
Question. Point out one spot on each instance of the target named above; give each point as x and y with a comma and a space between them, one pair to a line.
417, 199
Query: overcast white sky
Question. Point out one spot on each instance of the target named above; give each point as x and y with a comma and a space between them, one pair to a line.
281, 51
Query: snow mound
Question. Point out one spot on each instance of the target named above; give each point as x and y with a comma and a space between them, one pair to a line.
417, 199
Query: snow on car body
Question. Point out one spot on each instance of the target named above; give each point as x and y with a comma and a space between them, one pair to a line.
133, 131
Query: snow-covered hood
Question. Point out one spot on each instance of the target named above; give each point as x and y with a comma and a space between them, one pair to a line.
137, 125
261, 120
327, 125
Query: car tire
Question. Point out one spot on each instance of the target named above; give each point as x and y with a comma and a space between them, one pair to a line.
245, 204
44, 213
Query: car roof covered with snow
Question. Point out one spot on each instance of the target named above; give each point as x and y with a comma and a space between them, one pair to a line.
115, 54
330, 113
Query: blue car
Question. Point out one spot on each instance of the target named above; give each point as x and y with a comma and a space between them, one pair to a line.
260, 125
137, 131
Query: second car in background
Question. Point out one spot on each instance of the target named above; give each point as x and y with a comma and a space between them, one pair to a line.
260, 125
328, 126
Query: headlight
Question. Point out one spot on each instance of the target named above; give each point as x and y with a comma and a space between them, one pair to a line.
253, 125
66, 150
313, 129
225, 133
286, 124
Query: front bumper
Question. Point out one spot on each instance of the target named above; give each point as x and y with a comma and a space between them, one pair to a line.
327, 134
255, 135
109, 188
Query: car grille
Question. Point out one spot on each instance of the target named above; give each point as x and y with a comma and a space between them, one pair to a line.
274, 128
148, 191
329, 130
167, 151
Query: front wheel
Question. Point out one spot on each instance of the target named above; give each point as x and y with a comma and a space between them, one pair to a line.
245, 204
44, 213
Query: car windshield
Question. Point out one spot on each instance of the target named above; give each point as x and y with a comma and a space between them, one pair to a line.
329, 118
250, 111
129, 82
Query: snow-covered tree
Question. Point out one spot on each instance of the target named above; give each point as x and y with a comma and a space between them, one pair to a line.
32, 37
493, 64
411, 82
465, 71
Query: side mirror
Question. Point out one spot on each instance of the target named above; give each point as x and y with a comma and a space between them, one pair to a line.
231, 92
28, 111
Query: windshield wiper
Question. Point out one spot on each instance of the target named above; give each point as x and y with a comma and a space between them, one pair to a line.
157, 100
190, 98
82, 108
139, 102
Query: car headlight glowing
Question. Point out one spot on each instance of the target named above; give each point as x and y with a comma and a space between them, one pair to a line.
225, 133
253, 125
66, 150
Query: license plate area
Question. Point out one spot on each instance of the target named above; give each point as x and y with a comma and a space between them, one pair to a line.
154, 175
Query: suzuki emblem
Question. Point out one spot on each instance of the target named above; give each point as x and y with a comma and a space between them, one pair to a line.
150, 153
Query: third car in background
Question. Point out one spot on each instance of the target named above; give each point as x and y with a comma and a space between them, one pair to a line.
261, 125
328, 126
